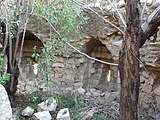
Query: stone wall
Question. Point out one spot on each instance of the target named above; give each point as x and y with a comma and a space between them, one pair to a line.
102, 41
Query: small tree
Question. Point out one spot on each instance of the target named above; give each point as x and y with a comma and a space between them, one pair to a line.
64, 17
135, 37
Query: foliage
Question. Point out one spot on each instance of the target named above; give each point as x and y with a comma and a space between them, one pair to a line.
68, 101
65, 19
4, 77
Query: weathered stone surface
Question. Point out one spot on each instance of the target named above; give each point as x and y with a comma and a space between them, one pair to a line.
63, 114
146, 88
81, 90
45, 115
89, 72
95, 92
5, 106
158, 101
145, 97
28, 111
157, 91
88, 115
48, 105
158, 117
16, 113
111, 96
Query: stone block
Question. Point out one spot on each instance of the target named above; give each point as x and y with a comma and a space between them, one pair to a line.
157, 91
48, 105
95, 92
27, 69
145, 97
28, 111
78, 84
63, 114
61, 65
23, 75
145, 74
45, 115
81, 90
147, 88
111, 96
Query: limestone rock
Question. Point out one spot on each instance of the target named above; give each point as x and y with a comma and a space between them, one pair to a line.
28, 111
157, 91
158, 117
45, 115
151, 112
111, 96
88, 115
5, 107
16, 113
81, 90
147, 88
95, 92
48, 105
63, 114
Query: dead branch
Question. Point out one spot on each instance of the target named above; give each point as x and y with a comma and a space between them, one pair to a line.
118, 12
86, 7
108, 63
104, 62
150, 26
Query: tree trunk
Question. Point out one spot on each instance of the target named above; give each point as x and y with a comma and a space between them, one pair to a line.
129, 63
11, 86
12, 66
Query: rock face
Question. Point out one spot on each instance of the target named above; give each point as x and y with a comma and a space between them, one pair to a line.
5, 107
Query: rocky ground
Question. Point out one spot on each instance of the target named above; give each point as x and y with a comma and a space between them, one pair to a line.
97, 103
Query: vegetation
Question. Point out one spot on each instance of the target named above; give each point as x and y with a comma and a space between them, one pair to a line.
65, 19
4, 77
63, 101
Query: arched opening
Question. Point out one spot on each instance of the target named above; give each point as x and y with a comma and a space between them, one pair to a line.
97, 74
28, 65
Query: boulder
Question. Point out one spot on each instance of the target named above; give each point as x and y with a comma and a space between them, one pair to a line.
63, 114
5, 106
45, 115
28, 111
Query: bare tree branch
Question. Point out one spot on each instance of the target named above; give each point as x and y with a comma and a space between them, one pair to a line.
144, 6
86, 7
116, 9
57, 32
150, 26
104, 62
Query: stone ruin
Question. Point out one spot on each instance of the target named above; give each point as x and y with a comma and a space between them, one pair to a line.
99, 40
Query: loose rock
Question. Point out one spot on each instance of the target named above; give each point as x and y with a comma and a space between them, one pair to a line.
48, 105
28, 111
63, 114
45, 115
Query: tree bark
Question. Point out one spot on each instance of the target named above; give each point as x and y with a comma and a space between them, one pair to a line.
12, 66
129, 63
